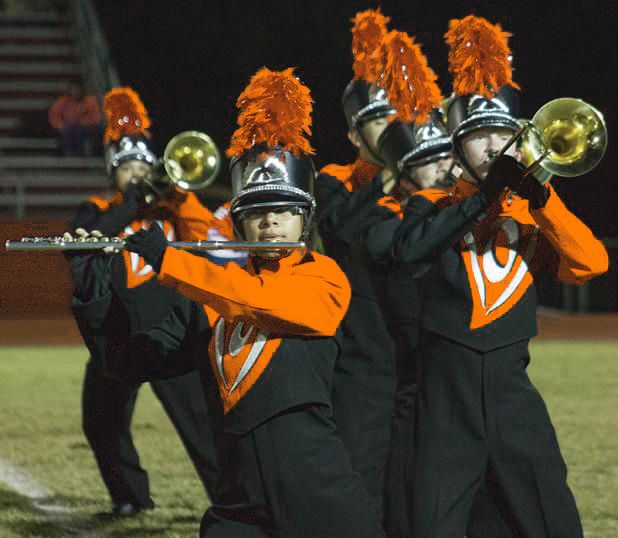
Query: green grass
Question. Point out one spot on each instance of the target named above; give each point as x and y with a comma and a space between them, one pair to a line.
40, 392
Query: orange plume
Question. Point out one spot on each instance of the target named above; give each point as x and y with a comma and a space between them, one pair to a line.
275, 109
367, 33
409, 82
479, 56
125, 114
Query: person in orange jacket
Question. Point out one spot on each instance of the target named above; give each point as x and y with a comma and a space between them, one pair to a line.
270, 349
76, 116
478, 250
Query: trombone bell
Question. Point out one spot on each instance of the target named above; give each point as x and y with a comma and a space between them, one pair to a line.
192, 160
567, 137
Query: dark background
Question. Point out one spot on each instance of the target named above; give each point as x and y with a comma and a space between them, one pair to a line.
189, 60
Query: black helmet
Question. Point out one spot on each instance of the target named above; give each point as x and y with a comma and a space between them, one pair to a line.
363, 101
470, 112
403, 145
270, 177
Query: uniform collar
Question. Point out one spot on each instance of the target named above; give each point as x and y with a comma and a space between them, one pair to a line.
259, 266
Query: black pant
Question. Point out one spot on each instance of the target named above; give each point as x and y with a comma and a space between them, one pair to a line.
480, 420
363, 392
290, 477
485, 520
107, 409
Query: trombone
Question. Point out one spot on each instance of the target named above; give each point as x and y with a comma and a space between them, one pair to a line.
566, 137
191, 161
60, 244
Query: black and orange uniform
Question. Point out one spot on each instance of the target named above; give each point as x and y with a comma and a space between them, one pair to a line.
478, 416
116, 296
401, 317
269, 365
364, 380
403, 321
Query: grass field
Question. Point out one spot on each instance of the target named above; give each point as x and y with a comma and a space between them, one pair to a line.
40, 401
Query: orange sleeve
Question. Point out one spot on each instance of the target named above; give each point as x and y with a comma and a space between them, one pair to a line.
310, 299
581, 256
193, 219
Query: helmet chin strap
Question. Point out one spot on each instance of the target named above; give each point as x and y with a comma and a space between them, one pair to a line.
466, 165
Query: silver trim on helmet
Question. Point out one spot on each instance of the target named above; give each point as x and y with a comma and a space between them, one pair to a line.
371, 106
270, 188
426, 145
141, 155
481, 118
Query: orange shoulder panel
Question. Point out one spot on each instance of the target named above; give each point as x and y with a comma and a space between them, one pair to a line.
353, 176
435, 196
392, 204
342, 172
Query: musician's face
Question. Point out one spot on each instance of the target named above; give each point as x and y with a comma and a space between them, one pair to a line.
273, 224
433, 175
481, 145
372, 129
130, 171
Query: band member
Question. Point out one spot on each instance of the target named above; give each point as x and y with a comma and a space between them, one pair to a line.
112, 293
478, 250
417, 152
418, 157
284, 468
364, 379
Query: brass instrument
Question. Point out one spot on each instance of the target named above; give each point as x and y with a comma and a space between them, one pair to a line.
566, 137
60, 244
191, 161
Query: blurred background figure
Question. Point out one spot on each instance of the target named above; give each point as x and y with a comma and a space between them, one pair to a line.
76, 116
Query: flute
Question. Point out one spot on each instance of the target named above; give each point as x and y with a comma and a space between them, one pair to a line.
59, 244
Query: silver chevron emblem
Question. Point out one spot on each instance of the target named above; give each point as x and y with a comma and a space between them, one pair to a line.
237, 343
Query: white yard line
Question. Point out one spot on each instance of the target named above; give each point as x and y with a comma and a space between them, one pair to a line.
42, 499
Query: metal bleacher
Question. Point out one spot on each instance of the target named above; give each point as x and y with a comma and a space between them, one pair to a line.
43, 46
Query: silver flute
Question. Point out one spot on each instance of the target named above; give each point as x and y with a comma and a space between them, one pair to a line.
59, 244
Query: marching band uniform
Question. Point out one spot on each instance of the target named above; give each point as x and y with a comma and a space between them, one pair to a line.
403, 146
118, 294
284, 468
416, 143
364, 379
478, 252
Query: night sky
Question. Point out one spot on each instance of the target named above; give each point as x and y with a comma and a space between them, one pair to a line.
189, 60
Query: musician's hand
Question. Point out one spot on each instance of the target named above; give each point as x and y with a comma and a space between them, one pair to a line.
89, 271
530, 188
81, 233
504, 172
149, 244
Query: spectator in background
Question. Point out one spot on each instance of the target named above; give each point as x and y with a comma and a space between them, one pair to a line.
76, 116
